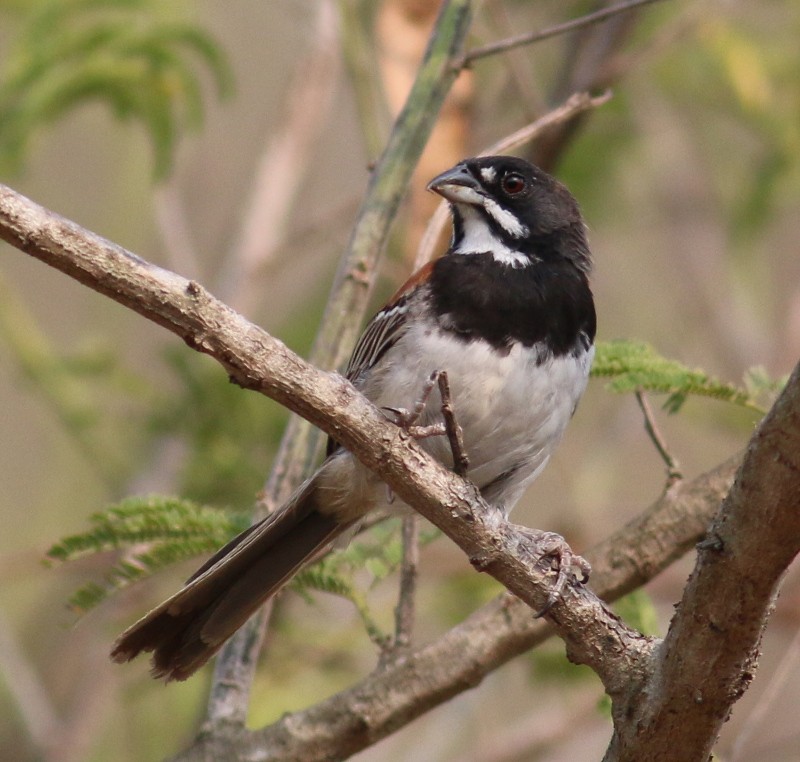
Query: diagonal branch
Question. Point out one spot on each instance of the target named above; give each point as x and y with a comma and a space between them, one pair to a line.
394, 696
651, 427
255, 360
752, 541
552, 31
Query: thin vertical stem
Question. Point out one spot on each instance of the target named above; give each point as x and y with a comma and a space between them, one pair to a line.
346, 306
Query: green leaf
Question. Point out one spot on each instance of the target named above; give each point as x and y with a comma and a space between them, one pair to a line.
116, 51
154, 532
634, 366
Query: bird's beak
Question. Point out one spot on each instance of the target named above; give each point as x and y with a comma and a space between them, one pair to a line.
458, 186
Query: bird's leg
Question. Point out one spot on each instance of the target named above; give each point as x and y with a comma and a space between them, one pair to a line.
407, 419
454, 432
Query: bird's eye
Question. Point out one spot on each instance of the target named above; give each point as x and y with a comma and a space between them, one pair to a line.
513, 183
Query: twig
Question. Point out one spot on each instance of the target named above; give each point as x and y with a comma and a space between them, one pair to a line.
674, 473
257, 361
229, 694
489, 638
455, 434
552, 31
709, 655
405, 610
575, 104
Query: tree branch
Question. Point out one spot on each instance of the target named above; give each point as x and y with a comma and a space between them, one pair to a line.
552, 31
709, 656
651, 427
754, 538
405, 611
502, 629
255, 360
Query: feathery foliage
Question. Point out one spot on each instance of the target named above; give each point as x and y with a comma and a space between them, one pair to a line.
114, 51
378, 552
635, 366
154, 531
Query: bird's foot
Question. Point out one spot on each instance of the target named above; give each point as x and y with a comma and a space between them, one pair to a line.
407, 419
570, 568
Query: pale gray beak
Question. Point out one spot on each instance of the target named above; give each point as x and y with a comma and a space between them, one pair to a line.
458, 186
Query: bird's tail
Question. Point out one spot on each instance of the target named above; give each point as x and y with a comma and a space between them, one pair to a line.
187, 629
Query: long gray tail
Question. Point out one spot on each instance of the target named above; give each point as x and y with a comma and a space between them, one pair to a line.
187, 629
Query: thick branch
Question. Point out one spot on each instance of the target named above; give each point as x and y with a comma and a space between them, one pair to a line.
709, 656
258, 361
394, 696
255, 360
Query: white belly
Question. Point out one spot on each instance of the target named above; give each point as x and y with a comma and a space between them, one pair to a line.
513, 411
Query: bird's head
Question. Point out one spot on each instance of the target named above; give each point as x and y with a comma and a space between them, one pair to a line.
508, 207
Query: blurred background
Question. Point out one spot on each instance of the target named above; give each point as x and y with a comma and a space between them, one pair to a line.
690, 183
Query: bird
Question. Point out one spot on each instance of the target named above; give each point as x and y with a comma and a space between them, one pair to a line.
507, 312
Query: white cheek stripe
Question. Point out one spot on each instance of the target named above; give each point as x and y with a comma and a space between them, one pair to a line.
504, 218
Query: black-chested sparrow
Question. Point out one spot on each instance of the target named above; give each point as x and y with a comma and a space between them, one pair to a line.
507, 313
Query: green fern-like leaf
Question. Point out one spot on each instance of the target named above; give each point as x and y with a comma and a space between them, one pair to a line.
634, 366
117, 51
156, 531
324, 577
378, 552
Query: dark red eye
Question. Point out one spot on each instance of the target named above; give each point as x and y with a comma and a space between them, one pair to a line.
513, 183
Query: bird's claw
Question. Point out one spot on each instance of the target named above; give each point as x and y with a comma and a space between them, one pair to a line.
570, 568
